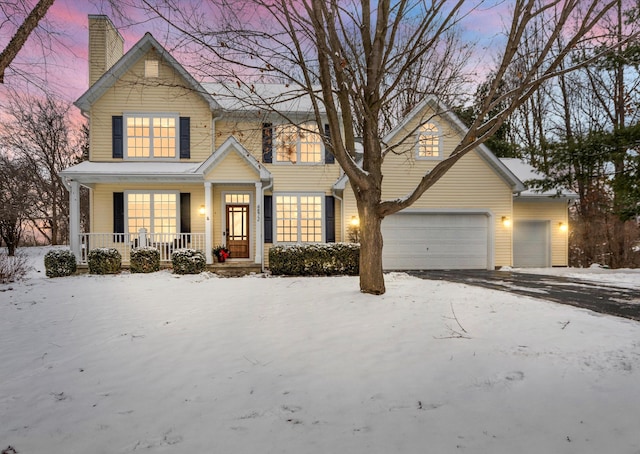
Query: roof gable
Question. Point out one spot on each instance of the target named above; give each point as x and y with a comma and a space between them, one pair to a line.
444, 114
231, 145
122, 66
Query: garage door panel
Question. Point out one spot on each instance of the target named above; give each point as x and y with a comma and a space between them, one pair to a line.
435, 241
531, 244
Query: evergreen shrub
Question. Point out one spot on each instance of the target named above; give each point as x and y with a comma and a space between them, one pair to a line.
328, 259
60, 263
188, 261
104, 261
145, 260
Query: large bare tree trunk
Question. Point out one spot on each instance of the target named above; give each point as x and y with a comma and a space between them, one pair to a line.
371, 275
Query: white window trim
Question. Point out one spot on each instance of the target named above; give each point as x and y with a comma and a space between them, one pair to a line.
298, 162
298, 194
150, 228
150, 115
438, 135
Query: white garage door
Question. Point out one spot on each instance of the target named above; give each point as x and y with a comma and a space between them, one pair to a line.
435, 241
531, 248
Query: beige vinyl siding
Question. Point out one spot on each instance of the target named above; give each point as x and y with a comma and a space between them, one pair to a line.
102, 203
471, 184
232, 168
553, 210
106, 46
134, 93
286, 177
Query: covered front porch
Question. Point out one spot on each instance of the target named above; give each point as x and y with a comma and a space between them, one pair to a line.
173, 205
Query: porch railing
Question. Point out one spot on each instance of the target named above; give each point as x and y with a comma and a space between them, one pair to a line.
166, 243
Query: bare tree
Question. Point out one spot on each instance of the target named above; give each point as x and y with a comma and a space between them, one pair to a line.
38, 131
16, 198
358, 53
22, 33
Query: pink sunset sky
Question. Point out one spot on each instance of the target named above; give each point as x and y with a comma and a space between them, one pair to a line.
57, 52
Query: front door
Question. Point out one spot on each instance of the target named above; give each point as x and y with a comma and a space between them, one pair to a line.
238, 231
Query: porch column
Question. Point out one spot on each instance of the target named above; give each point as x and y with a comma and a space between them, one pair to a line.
208, 223
74, 218
259, 246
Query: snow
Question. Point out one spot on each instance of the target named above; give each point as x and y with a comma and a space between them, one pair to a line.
200, 363
525, 173
621, 277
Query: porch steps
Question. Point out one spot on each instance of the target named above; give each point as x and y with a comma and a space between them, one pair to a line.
234, 269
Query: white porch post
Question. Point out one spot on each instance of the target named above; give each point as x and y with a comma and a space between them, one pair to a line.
74, 218
259, 246
208, 223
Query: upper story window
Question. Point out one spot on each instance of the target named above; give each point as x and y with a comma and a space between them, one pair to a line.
428, 145
151, 136
298, 143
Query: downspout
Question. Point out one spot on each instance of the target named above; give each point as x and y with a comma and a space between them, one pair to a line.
335, 194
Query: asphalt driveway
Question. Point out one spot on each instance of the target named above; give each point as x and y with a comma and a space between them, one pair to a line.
597, 297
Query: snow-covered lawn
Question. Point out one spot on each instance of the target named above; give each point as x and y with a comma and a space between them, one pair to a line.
201, 364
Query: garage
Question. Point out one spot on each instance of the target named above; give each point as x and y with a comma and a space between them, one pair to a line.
531, 244
436, 241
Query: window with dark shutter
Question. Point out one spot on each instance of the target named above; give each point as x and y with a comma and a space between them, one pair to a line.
117, 137
268, 219
185, 137
267, 143
330, 218
118, 217
328, 155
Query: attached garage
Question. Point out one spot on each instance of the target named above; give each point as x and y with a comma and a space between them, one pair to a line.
437, 241
531, 244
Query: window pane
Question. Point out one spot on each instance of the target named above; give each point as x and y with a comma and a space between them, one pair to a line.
310, 144
428, 141
151, 137
156, 212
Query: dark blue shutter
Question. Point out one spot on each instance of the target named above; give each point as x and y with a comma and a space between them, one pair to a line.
185, 219
268, 219
185, 137
117, 137
328, 155
118, 216
330, 218
267, 143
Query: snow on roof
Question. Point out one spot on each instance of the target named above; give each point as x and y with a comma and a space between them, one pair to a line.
526, 172
267, 97
138, 170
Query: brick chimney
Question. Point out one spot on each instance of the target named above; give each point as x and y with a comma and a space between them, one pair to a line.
106, 46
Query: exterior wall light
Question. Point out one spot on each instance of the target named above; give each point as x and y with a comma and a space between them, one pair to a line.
202, 210
506, 222
563, 227
355, 221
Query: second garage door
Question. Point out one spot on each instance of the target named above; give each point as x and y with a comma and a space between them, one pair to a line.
435, 241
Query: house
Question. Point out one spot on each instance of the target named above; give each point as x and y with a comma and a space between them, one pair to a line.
177, 163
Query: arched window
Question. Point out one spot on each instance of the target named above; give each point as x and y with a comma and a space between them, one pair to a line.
428, 145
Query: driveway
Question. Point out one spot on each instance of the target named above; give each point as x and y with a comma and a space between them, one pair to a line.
598, 297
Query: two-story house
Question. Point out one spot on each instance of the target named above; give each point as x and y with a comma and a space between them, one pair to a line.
177, 163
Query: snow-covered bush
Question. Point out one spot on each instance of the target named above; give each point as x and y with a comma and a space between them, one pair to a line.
12, 268
60, 263
145, 260
188, 261
315, 259
104, 261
